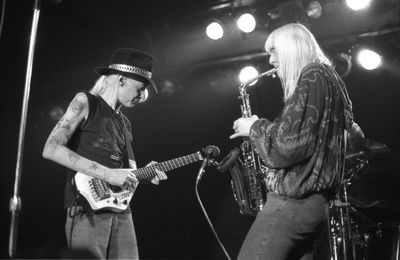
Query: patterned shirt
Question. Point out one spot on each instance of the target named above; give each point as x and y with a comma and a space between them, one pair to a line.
304, 147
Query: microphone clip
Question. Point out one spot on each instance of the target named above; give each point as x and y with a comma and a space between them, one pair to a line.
210, 153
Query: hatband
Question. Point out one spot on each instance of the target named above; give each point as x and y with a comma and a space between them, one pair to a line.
131, 69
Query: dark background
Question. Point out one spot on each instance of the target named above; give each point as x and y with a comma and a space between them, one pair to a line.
198, 109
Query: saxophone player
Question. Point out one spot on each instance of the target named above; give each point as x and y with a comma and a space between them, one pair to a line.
304, 148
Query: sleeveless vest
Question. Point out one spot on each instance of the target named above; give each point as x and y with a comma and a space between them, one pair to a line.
99, 138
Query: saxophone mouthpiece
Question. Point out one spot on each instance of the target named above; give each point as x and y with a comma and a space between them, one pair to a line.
270, 72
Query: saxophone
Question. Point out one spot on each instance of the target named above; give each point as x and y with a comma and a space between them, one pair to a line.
248, 184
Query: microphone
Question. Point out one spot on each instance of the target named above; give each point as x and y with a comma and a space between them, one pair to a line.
210, 152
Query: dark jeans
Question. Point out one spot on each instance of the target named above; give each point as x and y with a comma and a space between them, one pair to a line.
105, 236
286, 228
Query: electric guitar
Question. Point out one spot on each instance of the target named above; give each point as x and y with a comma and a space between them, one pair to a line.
101, 195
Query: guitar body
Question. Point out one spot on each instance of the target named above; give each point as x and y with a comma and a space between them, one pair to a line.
100, 195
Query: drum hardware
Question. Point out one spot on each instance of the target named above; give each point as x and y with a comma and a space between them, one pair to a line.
357, 165
385, 242
342, 244
350, 234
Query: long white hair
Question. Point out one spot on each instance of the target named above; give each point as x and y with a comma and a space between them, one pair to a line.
295, 47
104, 82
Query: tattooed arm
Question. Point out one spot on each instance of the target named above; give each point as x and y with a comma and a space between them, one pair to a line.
56, 148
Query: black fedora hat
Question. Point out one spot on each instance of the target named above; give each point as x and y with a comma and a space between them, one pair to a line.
131, 63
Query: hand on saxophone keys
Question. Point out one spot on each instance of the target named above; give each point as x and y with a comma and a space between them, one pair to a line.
242, 126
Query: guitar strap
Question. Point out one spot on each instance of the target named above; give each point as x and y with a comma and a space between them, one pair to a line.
128, 144
129, 149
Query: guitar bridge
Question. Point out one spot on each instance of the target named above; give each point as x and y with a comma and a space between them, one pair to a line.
99, 189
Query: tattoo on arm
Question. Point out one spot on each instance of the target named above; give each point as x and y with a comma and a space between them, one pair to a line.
65, 127
76, 105
73, 157
60, 136
93, 167
64, 124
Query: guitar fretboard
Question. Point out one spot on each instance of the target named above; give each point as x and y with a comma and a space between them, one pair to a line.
148, 172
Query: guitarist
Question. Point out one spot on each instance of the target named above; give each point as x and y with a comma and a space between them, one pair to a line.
90, 138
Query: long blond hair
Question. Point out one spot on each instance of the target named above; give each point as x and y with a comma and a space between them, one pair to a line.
296, 47
104, 82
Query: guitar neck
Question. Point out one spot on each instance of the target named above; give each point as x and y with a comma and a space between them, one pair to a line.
148, 172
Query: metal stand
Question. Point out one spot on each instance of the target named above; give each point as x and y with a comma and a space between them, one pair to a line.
340, 230
15, 201
397, 249
205, 163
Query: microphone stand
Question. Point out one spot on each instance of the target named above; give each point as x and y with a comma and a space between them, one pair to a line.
15, 201
207, 161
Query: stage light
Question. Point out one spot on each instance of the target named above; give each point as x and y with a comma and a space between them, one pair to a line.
314, 9
289, 12
169, 87
215, 30
246, 23
248, 73
56, 113
358, 4
343, 64
369, 59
